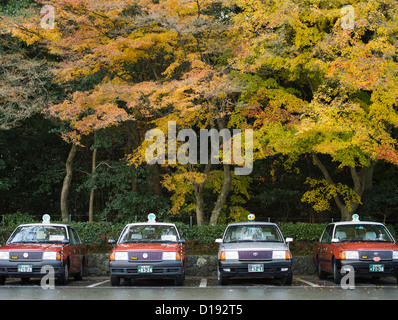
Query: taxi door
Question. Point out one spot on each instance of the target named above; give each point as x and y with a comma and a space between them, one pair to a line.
325, 250
74, 251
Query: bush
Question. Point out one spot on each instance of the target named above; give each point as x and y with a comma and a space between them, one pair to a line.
200, 239
96, 235
302, 232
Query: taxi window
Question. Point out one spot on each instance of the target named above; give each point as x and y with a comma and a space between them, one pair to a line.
327, 235
362, 233
149, 233
252, 233
73, 237
38, 234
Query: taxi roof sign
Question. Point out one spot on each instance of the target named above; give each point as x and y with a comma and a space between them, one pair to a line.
355, 217
151, 217
46, 218
251, 217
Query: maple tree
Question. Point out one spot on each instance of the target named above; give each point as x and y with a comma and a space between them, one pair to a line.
338, 86
144, 61
290, 70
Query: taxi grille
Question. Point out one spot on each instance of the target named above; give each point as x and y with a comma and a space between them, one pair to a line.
255, 255
26, 255
367, 255
145, 256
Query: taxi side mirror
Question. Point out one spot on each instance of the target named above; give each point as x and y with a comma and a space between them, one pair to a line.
289, 240
112, 242
219, 241
182, 241
65, 241
335, 240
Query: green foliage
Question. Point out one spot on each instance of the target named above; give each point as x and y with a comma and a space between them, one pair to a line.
322, 192
302, 232
96, 235
18, 218
14, 7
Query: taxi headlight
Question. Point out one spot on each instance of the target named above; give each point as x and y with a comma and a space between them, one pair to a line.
231, 255
172, 255
352, 255
51, 255
395, 255
121, 255
4, 255
278, 254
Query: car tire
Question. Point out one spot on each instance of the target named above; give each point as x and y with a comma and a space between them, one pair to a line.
288, 279
222, 280
321, 274
115, 281
2, 280
180, 280
63, 278
79, 276
336, 272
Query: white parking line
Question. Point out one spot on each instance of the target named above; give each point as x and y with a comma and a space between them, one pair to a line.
97, 284
203, 283
308, 282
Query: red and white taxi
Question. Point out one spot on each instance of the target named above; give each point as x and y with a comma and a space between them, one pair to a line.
148, 250
368, 247
34, 246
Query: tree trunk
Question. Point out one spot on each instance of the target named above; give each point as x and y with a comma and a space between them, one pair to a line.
92, 192
198, 188
66, 184
133, 140
200, 215
222, 197
362, 180
153, 179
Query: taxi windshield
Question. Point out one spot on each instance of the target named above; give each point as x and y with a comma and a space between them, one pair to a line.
362, 233
253, 233
38, 234
149, 233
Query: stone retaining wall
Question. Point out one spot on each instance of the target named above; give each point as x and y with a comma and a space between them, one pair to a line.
197, 265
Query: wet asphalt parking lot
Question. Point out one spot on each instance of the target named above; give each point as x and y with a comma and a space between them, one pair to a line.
203, 289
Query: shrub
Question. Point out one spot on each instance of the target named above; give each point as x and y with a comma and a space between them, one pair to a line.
199, 238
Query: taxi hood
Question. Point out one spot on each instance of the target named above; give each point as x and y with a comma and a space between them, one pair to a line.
155, 246
368, 245
259, 245
33, 246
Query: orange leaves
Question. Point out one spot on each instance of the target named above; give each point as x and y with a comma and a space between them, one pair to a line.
86, 113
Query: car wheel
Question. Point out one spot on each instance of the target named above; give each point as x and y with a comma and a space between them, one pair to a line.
288, 279
222, 280
336, 272
63, 279
115, 281
2, 280
79, 276
180, 280
321, 274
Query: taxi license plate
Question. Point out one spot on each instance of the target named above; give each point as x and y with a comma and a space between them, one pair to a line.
256, 268
145, 269
25, 268
376, 268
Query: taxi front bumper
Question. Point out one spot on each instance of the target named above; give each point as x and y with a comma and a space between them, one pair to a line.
363, 268
274, 268
163, 269
38, 268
